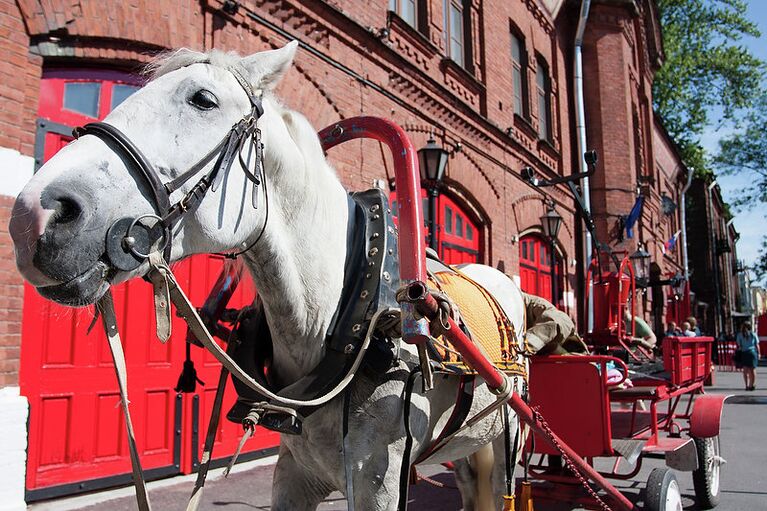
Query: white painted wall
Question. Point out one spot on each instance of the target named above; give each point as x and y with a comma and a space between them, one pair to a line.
13, 448
16, 170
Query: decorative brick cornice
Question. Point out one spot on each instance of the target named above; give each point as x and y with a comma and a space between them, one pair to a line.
540, 15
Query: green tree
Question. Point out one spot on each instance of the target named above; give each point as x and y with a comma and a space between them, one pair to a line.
706, 68
744, 152
709, 78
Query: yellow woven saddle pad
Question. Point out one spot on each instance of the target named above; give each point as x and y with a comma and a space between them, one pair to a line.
487, 325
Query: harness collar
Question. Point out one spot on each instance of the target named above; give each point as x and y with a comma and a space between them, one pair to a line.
371, 278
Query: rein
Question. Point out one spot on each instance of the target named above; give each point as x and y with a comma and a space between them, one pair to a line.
129, 240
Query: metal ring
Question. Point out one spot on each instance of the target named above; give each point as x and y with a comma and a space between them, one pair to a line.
135, 222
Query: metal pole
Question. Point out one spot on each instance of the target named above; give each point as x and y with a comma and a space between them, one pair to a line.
433, 193
553, 275
580, 128
714, 262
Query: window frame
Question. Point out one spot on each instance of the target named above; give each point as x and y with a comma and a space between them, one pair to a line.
520, 67
543, 99
421, 22
464, 7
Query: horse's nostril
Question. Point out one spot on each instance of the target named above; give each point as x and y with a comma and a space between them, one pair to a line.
67, 210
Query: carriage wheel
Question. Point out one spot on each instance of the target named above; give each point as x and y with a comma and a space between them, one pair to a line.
662, 492
705, 478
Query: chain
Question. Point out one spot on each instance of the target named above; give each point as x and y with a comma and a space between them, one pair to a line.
568, 462
433, 482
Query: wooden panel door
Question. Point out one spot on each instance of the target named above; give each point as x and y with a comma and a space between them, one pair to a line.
458, 236
535, 268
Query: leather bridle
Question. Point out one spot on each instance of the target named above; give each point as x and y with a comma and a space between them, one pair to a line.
130, 240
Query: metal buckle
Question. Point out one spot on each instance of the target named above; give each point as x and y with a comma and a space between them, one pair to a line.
133, 224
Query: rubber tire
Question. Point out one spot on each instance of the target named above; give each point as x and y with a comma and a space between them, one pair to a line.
659, 484
705, 480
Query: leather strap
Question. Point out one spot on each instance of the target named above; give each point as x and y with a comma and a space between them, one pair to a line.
109, 320
187, 311
210, 439
161, 293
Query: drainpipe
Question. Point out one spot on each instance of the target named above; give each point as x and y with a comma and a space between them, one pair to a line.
683, 214
580, 128
714, 263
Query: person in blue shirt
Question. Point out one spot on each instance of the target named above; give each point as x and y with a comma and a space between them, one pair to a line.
748, 345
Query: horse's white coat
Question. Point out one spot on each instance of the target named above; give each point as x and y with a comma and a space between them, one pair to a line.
297, 267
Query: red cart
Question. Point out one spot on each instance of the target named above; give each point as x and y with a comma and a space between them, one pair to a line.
600, 416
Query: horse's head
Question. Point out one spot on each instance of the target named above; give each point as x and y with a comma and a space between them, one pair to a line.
61, 219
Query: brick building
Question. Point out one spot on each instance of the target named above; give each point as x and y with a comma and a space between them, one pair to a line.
716, 275
491, 80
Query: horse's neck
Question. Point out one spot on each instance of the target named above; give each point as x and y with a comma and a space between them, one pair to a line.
298, 269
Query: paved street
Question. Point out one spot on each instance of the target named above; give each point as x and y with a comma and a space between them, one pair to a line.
744, 480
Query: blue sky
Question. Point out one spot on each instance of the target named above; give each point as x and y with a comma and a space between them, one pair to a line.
750, 224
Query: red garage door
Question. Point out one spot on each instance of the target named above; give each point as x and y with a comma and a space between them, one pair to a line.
76, 438
458, 237
535, 268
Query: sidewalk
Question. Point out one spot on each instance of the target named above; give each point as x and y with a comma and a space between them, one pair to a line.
744, 480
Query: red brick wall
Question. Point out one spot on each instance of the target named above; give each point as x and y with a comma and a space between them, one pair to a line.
19, 86
11, 298
424, 92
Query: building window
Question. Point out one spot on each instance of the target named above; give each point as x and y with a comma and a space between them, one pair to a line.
458, 32
407, 10
543, 91
519, 76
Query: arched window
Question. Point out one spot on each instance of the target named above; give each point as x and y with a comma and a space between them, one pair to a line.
458, 236
535, 269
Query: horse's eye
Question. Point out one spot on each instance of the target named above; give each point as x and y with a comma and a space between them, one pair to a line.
204, 100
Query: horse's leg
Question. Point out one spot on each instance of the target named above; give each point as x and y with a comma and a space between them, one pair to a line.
475, 479
466, 480
499, 468
294, 489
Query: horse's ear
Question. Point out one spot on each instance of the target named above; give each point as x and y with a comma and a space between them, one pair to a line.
266, 68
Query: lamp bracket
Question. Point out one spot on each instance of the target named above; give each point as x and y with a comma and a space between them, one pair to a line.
590, 157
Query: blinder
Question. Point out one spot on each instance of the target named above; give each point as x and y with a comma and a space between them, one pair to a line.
129, 241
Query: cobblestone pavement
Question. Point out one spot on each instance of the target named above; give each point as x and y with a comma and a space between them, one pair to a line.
744, 479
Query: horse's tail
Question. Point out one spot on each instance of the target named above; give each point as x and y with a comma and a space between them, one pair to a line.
483, 461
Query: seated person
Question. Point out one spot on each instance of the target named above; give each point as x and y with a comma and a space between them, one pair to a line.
550, 331
672, 330
643, 334
687, 330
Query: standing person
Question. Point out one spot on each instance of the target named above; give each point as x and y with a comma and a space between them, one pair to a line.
748, 346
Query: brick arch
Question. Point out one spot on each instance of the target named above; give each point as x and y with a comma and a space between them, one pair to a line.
527, 214
85, 20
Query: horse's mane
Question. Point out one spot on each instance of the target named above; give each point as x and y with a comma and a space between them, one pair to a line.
165, 62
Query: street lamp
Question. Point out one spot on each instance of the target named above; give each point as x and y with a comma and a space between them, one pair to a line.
432, 160
641, 262
551, 222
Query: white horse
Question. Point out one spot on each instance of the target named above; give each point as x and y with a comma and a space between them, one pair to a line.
59, 227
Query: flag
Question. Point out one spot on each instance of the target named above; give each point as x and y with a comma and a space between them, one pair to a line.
636, 211
670, 245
